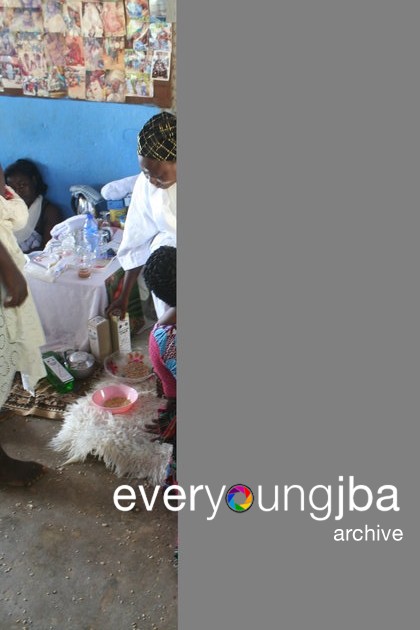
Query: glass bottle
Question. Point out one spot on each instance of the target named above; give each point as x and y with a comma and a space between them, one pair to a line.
57, 374
85, 259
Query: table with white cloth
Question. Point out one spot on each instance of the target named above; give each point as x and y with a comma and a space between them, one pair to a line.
65, 305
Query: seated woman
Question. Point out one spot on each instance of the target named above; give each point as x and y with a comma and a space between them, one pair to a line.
26, 180
160, 277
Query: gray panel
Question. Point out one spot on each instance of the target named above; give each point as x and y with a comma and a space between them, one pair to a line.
298, 302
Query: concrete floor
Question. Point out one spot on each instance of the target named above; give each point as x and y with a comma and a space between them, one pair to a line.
68, 558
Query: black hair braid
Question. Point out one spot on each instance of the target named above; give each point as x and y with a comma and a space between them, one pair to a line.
159, 274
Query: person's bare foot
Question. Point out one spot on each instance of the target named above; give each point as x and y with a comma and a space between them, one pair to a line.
14, 472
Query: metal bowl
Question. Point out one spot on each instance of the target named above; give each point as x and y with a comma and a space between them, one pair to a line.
128, 367
80, 364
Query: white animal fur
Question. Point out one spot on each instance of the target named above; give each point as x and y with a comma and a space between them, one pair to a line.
119, 440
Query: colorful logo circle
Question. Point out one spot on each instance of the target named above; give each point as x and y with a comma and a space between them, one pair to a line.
239, 498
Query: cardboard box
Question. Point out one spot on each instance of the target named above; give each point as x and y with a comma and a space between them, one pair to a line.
99, 334
115, 204
120, 333
57, 374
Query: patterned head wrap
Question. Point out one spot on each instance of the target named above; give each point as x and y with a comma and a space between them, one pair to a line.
157, 139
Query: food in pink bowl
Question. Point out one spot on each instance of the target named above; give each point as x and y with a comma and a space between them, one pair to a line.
115, 398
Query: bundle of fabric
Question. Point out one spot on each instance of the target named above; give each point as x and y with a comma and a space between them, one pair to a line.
119, 440
46, 402
119, 188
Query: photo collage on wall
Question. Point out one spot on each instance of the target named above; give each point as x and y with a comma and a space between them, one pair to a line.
95, 50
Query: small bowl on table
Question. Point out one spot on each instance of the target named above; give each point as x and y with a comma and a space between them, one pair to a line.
128, 367
117, 398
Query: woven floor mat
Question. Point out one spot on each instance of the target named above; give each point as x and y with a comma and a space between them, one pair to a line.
47, 402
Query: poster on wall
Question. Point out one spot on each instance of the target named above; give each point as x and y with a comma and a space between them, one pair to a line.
158, 10
161, 63
138, 70
102, 50
160, 36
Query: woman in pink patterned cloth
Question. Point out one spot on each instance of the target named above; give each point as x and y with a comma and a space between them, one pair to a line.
160, 277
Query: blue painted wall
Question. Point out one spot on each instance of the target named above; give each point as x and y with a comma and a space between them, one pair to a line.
73, 142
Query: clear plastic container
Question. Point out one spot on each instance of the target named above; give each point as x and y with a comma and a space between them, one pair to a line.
91, 233
84, 266
85, 261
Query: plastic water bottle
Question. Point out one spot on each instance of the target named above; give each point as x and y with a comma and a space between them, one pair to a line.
91, 233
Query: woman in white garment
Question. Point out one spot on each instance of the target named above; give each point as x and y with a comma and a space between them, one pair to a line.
21, 334
151, 216
26, 180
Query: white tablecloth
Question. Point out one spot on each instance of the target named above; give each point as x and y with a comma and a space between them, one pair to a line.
66, 305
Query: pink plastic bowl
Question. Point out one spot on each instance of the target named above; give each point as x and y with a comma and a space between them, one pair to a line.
101, 396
